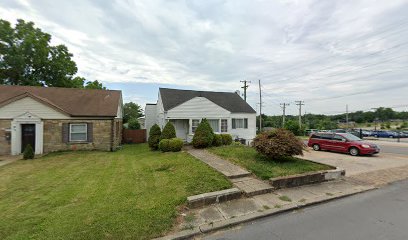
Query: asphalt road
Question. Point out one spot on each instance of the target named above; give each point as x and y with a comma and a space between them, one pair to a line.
379, 214
393, 149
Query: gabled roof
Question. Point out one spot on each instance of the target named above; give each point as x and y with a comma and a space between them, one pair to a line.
228, 100
71, 101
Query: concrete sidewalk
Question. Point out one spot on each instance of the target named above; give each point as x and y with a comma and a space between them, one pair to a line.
227, 214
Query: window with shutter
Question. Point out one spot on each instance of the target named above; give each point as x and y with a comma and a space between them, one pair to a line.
78, 132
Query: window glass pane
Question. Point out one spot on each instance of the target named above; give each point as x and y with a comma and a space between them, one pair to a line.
233, 124
194, 124
214, 124
239, 123
78, 128
224, 125
78, 137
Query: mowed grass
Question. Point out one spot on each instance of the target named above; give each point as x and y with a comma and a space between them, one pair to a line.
262, 167
132, 193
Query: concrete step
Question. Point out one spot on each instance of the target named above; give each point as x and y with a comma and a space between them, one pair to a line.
251, 186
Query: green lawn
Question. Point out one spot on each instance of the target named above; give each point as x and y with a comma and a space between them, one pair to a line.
132, 193
248, 158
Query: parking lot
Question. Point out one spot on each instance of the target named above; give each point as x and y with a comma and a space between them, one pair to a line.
393, 154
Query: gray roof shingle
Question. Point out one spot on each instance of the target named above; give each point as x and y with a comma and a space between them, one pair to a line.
228, 100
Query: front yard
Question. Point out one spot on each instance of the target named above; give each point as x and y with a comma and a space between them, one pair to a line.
259, 165
132, 193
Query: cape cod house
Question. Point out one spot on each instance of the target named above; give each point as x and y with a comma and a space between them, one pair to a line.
226, 112
54, 119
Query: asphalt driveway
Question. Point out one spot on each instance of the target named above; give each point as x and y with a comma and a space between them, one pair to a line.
392, 155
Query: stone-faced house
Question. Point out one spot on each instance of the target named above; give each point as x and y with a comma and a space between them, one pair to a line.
53, 119
226, 112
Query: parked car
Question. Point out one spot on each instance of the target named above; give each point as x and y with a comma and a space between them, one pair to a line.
384, 134
342, 142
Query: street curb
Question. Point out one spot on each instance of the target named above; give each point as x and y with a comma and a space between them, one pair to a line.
187, 234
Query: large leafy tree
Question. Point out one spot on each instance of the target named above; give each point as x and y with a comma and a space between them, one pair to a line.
27, 58
131, 110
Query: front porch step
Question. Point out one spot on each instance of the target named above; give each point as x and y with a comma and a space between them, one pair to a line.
251, 186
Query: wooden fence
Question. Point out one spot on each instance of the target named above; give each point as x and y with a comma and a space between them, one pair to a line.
134, 136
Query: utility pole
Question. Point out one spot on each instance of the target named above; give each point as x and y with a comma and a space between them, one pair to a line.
347, 120
300, 104
260, 106
245, 87
283, 106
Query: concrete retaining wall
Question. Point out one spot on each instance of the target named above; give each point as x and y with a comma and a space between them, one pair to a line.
213, 197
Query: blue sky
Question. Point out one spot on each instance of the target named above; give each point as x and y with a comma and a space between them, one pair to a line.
327, 53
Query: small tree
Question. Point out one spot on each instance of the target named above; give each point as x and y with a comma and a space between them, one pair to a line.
278, 143
154, 137
133, 124
294, 127
204, 135
28, 152
168, 132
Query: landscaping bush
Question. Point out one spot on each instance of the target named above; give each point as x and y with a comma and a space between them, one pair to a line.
154, 137
278, 143
171, 145
226, 139
217, 140
133, 124
28, 152
176, 144
204, 135
168, 132
164, 145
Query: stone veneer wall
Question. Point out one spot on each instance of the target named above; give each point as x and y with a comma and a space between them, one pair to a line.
5, 142
117, 133
102, 130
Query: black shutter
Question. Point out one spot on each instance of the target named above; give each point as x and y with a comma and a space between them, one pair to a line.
90, 132
233, 123
245, 122
65, 132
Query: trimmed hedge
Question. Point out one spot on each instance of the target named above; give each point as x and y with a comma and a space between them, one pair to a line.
204, 135
168, 132
171, 145
154, 137
226, 139
278, 143
28, 152
217, 141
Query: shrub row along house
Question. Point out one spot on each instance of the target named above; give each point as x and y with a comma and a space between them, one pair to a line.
54, 119
226, 112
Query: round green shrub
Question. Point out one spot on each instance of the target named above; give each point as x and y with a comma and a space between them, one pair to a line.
154, 137
168, 132
203, 136
28, 152
176, 144
278, 143
217, 141
133, 124
226, 139
164, 145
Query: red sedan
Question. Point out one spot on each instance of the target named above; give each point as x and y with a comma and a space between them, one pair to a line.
342, 142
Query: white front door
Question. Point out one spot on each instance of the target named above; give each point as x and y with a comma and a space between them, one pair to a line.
181, 126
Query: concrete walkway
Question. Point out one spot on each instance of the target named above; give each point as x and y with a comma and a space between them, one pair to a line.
241, 178
7, 159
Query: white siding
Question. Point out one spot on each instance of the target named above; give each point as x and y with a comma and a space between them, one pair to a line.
28, 104
198, 107
248, 133
150, 117
119, 114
